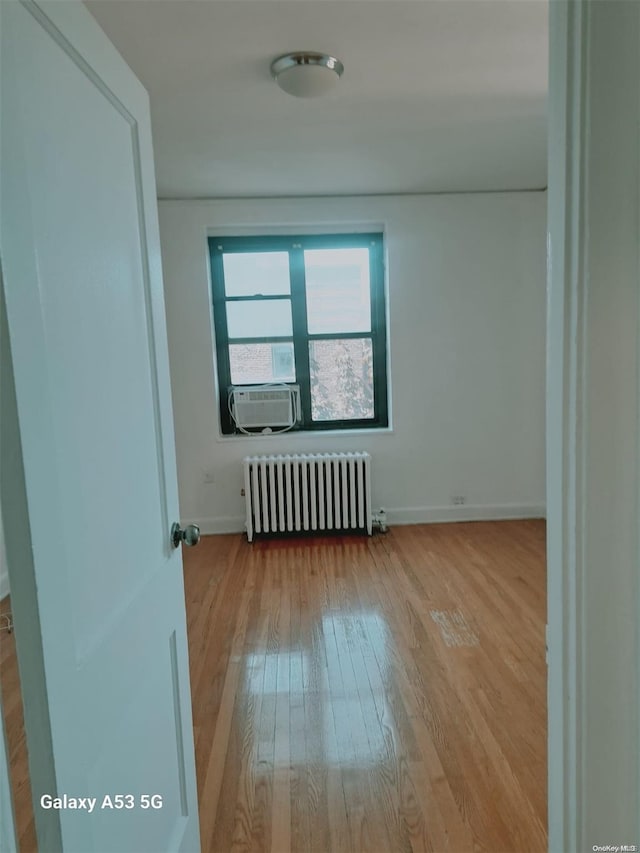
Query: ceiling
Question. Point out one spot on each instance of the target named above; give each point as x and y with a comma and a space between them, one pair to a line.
437, 95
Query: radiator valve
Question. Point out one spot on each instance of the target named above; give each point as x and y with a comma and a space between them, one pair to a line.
380, 521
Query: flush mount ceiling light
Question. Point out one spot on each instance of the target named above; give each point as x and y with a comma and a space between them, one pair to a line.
306, 74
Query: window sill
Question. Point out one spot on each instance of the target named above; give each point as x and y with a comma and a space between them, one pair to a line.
305, 435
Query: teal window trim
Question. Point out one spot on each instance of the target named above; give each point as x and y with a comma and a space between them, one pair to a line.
295, 246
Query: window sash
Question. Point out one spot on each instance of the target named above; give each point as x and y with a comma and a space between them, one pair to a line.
295, 246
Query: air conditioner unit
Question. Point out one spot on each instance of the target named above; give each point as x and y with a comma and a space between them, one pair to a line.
269, 406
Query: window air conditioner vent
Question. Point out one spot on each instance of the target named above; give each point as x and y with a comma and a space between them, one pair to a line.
256, 407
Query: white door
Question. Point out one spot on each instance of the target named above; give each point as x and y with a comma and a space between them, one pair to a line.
88, 482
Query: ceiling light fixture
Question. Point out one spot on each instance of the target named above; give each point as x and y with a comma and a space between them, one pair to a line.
306, 74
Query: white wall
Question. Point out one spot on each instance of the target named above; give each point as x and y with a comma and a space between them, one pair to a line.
466, 305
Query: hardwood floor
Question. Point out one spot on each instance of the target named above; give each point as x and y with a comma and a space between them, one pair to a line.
354, 694
16, 740
381, 694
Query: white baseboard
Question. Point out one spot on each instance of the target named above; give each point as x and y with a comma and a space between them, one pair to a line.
404, 515
224, 524
469, 512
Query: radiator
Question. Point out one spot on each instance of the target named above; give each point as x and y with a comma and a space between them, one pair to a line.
320, 491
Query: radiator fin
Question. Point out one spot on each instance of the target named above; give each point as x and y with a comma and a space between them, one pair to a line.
319, 491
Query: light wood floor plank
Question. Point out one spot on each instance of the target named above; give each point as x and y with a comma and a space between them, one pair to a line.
16, 740
409, 743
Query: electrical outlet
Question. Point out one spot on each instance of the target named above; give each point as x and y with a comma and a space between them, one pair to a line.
458, 500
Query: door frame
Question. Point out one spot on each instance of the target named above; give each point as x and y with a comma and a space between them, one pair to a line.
15, 514
563, 428
593, 476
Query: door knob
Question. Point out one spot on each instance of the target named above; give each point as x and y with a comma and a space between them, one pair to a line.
189, 536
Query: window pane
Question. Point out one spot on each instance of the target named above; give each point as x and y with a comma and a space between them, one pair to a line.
260, 318
341, 373
256, 273
261, 363
338, 290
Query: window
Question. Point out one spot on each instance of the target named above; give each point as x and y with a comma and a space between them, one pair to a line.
307, 312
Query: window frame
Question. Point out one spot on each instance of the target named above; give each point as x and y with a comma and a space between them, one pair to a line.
295, 246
